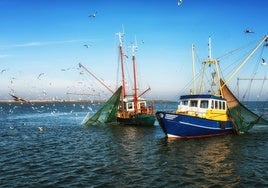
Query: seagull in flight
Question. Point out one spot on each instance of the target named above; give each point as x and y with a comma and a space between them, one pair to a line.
65, 69
263, 62
248, 31
40, 75
93, 15
87, 45
16, 98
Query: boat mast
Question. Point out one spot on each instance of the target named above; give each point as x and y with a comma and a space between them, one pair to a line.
135, 95
193, 62
209, 48
122, 64
210, 61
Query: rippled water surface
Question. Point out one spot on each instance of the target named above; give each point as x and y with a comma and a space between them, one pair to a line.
67, 154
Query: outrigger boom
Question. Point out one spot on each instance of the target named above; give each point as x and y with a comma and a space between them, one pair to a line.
102, 83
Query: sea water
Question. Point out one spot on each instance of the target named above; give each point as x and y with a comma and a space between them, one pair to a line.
45, 145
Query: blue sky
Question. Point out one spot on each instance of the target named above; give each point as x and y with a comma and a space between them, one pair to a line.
47, 38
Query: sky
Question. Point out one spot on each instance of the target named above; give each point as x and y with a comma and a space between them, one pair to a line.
43, 41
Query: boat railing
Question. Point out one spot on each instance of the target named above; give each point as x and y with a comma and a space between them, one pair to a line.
213, 114
192, 112
146, 110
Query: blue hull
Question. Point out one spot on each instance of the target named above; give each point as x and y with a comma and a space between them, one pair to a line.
183, 126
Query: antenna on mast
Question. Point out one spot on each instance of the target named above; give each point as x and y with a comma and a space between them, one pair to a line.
120, 35
120, 38
209, 47
134, 47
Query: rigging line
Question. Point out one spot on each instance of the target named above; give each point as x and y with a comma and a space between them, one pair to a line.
235, 50
100, 81
140, 83
245, 60
118, 70
207, 80
266, 101
126, 58
254, 73
259, 94
231, 66
252, 77
262, 86
118, 61
247, 92
186, 86
129, 81
258, 64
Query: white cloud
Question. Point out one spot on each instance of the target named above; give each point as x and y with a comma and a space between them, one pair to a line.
37, 43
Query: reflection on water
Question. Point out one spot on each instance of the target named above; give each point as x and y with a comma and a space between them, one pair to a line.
212, 161
201, 160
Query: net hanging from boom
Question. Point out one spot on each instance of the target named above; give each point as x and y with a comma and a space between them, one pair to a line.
107, 113
243, 119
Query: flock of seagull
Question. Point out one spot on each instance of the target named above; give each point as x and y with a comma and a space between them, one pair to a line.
16, 98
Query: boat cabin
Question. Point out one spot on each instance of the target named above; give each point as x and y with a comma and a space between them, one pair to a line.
127, 107
204, 106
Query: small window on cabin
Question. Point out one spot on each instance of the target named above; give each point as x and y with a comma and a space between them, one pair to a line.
193, 103
129, 106
220, 105
142, 104
204, 104
216, 104
184, 103
224, 105
212, 104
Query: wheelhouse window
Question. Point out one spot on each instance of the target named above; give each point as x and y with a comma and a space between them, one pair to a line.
142, 104
193, 103
129, 105
216, 104
204, 104
184, 102
223, 105
212, 104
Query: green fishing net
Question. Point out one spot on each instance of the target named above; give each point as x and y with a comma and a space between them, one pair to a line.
244, 119
107, 113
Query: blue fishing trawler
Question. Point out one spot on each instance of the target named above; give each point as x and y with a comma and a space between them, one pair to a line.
200, 115
205, 113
